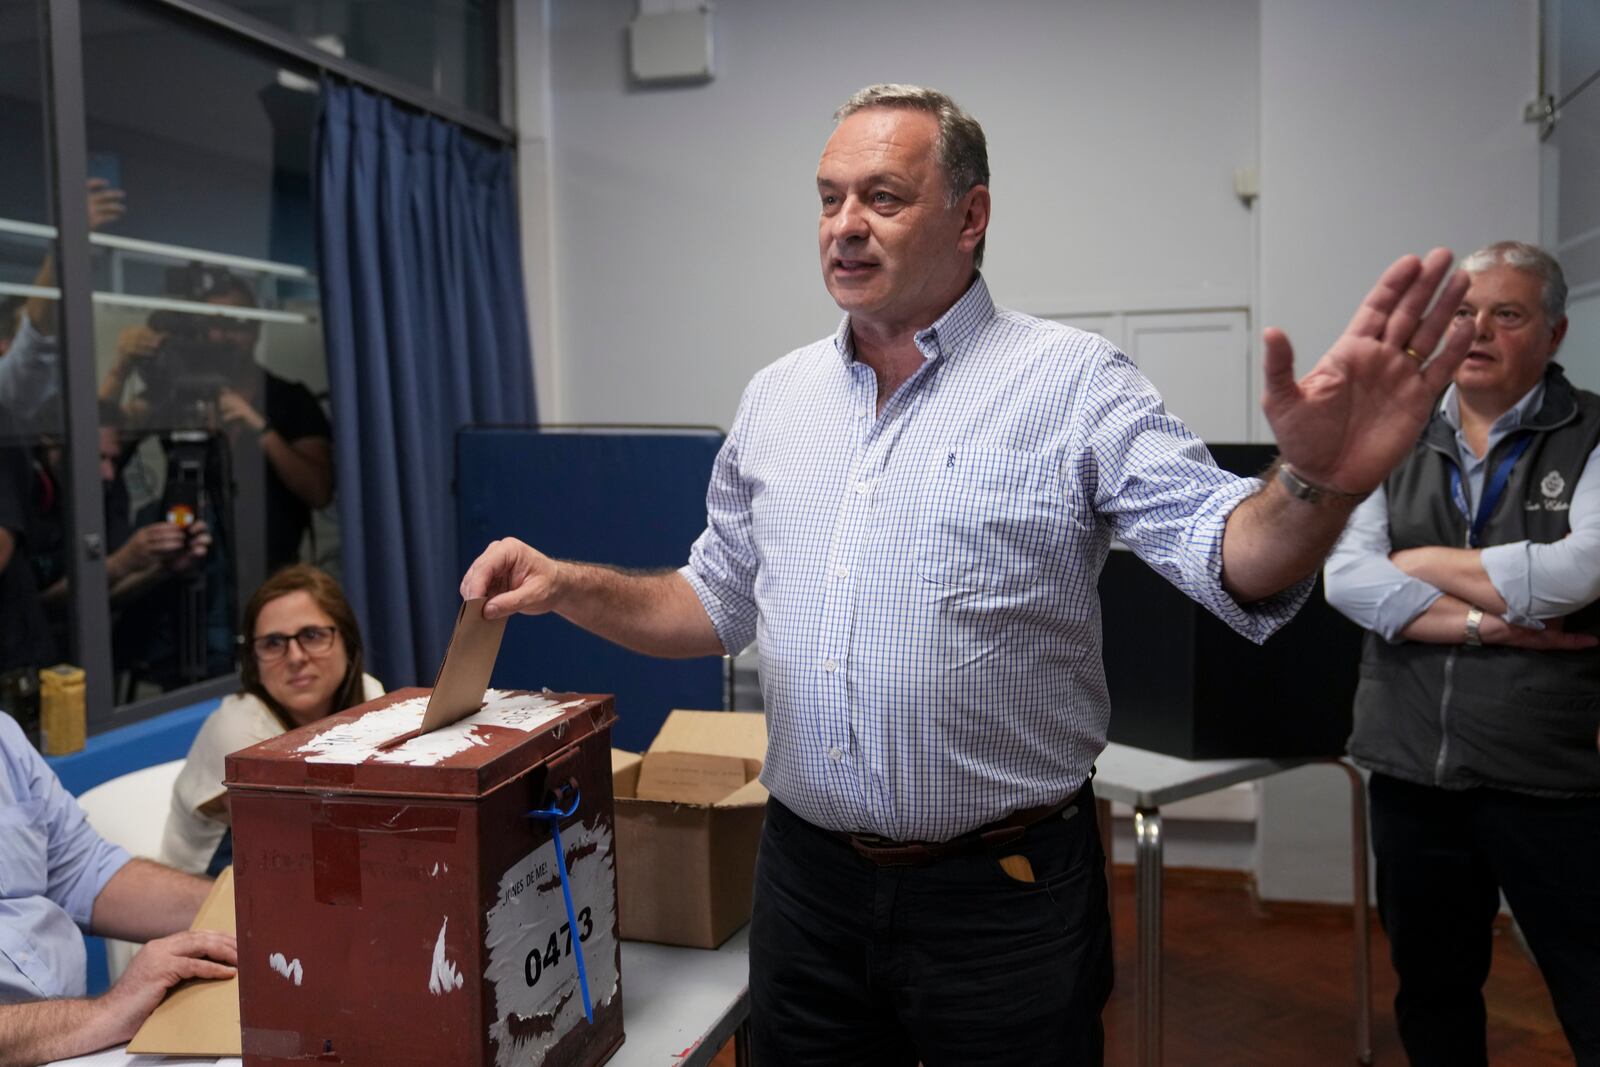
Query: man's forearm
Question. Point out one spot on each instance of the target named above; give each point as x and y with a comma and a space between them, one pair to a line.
656, 613
1458, 571
1443, 623
1273, 540
41, 310
146, 900
48, 1030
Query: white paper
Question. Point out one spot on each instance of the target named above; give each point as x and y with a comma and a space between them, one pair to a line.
357, 741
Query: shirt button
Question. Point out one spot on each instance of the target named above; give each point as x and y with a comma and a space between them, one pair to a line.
836, 753
841, 572
862, 487
830, 665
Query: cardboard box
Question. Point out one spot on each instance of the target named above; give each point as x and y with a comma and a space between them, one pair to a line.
689, 814
397, 907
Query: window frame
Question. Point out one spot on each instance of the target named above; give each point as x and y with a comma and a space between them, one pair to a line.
65, 122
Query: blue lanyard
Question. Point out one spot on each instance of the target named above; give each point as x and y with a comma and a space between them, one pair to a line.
1493, 490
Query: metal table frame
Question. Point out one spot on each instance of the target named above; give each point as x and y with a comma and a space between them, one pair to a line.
1147, 780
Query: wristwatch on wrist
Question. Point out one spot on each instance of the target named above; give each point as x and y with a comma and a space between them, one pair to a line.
1474, 620
1301, 489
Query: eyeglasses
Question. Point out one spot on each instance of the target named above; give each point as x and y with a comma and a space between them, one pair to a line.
313, 641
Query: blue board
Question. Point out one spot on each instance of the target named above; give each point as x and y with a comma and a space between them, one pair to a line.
629, 498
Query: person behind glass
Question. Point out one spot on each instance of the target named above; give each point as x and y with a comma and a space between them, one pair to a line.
300, 660
282, 417
1476, 569
58, 880
30, 372
25, 641
138, 558
30, 402
913, 513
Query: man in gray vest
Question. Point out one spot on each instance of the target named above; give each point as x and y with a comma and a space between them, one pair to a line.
1476, 567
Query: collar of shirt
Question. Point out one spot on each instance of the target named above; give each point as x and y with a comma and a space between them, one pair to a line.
1450, 410
949, 332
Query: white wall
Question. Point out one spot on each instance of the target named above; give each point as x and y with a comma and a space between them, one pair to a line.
531, 93
1385, 128
1571, 156
680, 222
685, 244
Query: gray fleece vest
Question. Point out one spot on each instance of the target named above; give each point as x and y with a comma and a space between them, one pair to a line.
1455, 716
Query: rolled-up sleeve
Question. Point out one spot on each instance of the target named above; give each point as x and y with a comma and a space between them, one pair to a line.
81, 861
78, 862
1167, 500
722, 561
1546, 581
1360, 582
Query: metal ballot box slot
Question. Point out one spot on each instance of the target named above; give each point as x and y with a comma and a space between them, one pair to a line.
396, 906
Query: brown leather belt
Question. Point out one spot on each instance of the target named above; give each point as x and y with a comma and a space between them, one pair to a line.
887, 853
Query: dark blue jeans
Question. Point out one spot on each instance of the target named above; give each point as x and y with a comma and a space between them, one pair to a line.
950, 963
1444, 856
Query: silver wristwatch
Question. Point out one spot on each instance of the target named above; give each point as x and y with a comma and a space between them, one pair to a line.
1474, 620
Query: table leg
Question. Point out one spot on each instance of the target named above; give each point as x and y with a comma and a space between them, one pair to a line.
1361, 912
1147, 902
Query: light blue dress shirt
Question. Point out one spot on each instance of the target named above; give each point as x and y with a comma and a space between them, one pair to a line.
1537, 581
923, 580
52, 866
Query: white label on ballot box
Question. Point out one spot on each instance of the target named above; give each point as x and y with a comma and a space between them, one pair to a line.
532, 947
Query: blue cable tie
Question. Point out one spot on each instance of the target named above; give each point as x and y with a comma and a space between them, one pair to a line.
554, 816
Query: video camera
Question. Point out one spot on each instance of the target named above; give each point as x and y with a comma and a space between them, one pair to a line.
185, 374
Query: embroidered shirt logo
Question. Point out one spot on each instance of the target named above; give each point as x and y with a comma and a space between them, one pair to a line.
1553, 485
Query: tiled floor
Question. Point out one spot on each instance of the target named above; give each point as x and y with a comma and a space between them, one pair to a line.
1251, 985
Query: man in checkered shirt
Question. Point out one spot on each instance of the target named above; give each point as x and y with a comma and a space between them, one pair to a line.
911, 516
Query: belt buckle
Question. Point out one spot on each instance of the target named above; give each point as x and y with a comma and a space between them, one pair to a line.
876, 841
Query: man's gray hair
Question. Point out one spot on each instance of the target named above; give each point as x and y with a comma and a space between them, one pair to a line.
1530, 258
963, 151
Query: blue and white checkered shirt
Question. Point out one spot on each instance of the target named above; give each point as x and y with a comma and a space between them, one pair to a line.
923, 582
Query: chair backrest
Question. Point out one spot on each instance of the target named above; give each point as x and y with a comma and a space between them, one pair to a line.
131, 810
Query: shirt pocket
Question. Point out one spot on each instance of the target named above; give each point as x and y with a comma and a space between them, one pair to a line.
24, 851
989, 520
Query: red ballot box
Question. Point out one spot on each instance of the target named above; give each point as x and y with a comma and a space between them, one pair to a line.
397, 906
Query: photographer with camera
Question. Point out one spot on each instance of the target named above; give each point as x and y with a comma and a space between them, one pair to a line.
200, 372
139, 556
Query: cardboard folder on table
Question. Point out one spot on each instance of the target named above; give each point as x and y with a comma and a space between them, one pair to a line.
200, 1017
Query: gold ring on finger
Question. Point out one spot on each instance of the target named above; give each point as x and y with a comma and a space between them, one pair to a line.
1412, 353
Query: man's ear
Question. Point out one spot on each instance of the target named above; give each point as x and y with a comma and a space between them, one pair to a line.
974, 217
1557, 335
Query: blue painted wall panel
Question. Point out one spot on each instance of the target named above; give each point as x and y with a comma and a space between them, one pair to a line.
630, 498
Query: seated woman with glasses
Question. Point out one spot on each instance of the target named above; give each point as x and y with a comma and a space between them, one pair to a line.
300, 661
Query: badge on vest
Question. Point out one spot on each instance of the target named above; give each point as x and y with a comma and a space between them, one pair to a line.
1552, 486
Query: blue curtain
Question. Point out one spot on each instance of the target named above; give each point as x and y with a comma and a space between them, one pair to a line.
426, 331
